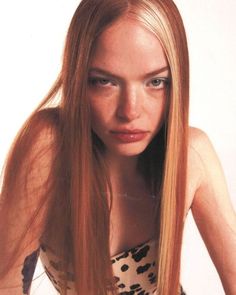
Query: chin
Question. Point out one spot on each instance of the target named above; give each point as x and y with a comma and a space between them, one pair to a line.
128, 150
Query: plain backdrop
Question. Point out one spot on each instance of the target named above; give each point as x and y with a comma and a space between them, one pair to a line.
32, 37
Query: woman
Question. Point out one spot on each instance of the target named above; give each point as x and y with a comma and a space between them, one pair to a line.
100, 185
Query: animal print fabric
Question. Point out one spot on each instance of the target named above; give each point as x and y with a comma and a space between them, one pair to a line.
134, 270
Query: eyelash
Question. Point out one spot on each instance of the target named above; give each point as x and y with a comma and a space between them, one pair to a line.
165, 81
96, 81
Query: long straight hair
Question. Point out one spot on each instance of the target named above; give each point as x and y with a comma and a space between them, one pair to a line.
78, 212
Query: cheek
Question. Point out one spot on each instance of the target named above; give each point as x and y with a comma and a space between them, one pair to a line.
156, 112
100, 114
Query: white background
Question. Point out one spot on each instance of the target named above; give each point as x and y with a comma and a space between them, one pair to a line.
32, 35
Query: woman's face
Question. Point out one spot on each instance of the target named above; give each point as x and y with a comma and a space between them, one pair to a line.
127, 87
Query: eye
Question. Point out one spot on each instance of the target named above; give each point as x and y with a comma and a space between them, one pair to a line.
99, 81
159, 83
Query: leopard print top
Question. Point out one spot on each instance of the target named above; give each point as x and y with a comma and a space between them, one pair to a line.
134, 270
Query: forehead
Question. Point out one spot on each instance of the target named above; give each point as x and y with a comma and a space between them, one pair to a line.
128, 47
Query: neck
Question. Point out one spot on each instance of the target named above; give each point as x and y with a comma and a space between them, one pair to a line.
124, 174
122, 167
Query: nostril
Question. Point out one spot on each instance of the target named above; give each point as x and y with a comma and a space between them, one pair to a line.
128, 113
128, 110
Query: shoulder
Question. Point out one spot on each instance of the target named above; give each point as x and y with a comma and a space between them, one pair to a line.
202, 160
197, 143
34, 147
200, 149
40, 131
205, 166
197, 138
44, 122
202, 155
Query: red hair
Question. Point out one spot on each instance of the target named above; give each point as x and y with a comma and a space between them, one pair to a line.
69, 208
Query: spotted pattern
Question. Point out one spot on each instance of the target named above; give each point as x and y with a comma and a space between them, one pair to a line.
134, 270
138, 263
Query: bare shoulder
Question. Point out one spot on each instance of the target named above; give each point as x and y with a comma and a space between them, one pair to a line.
37, 139
42, 151
205, 166
43, 127
201, 158
198, 139
201, 150
30, 158
202, 155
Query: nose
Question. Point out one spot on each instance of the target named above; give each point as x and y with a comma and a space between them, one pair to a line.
129, 106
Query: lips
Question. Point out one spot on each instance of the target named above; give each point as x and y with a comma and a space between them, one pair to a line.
129, 136
128, 131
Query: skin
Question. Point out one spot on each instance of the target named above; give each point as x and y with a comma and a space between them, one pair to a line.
122, 96
127, 90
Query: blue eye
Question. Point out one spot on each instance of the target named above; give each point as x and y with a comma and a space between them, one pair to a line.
156, 82
159, 83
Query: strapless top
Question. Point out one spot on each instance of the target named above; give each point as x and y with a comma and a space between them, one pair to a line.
134, 270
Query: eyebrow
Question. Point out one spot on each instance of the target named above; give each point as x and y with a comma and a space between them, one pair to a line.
114, 76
